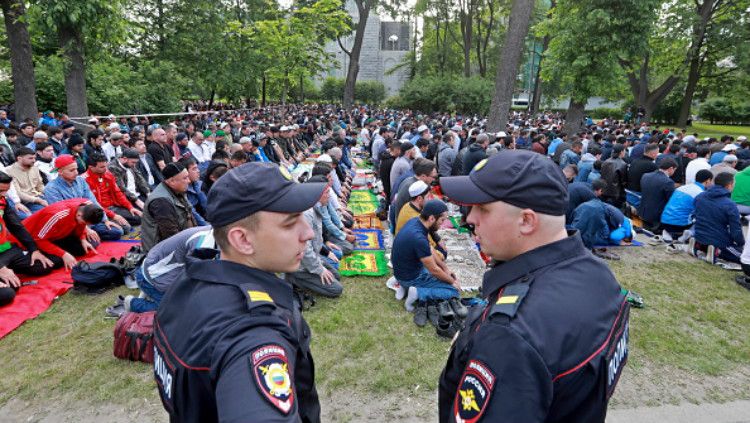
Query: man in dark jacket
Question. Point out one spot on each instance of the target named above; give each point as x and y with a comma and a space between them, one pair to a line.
476, 153
717, 222
387, 157
642, 166
615, 173
656, 188
129, 179
581, 192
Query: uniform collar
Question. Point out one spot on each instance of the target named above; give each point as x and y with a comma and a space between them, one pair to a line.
529, 262
231, 273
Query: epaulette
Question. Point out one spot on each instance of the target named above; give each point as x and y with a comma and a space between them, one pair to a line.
256, 297
510, 299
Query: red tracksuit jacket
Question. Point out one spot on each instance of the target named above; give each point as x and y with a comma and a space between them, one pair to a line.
55, 222
106, 191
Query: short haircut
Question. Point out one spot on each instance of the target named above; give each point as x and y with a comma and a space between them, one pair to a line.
599, 184
594, 150
5, 178
321, 168
40, 146
422, 166
703, 151
94, 134
674, 148
92, 213
724, 179
250, 223
422, 143
239, 156
651, 147
24, 151
667, 163
703, 175
220, 155
576, 144
186, 162
96, 158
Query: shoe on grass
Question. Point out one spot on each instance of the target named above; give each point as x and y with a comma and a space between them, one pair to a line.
445, 310
602, 253
411, 298
420, 314
691, 246
391, 283
743, 281
448, 328
458, 308
433, 315
710, 254
686, 235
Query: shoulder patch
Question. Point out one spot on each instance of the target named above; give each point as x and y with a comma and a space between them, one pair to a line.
474, 391
510, 300
270, 366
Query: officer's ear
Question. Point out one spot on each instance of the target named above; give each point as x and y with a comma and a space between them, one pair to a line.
529, 222
241, 240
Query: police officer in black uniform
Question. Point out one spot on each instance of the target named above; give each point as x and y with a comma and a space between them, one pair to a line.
552, 341
230, 343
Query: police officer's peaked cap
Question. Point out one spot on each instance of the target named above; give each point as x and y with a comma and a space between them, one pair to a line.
521, 178
255, 187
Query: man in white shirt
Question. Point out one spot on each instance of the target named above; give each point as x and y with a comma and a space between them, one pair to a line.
698, 163
113, 148
196, 147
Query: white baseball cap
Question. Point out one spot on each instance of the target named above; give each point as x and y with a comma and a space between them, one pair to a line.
742, 138
417, 188
422, 128
730, 147
324, 158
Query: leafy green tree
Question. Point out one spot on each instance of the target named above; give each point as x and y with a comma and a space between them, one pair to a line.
588, 38
74, 22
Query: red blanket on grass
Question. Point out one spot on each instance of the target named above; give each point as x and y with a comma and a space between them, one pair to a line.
32, 300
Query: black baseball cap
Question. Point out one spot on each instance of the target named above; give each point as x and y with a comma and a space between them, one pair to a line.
255, 187
521, 178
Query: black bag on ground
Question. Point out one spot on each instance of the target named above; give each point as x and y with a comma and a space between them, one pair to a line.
96, 277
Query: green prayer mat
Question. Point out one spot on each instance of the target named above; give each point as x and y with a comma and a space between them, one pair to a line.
364, 263
456, 221
363, 207
362, 196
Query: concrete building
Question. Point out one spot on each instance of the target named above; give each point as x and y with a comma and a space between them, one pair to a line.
385, 45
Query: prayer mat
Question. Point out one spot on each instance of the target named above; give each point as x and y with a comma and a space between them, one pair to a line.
456, 222
368, 239
367, 221
632, 244
364, 263
133, 235
33, 300
360, 208
362, 196
464, 259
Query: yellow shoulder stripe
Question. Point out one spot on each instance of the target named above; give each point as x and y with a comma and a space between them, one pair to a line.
510, 299
259, 296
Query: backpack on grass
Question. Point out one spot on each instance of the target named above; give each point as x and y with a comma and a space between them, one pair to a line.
94, 278
134, 337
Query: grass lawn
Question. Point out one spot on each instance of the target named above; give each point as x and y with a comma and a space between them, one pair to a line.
704, 129
366, 347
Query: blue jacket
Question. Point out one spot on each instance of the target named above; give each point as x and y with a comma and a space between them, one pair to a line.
578, 193
590, 218
585, 166
680, 208
717, 221
569, 157
656, 189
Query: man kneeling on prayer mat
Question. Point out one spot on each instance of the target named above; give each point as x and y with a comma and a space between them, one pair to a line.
60, 229
414, 264
418, 192
13, 259
317, 272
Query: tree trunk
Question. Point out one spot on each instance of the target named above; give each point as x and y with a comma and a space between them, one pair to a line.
22, 65
705, 13
467, 21
692, 84
507, 67
574, 116
363, 7
301, 90
71, 42
211, 99
537, 94
263, 91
